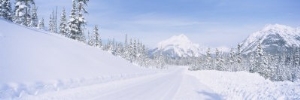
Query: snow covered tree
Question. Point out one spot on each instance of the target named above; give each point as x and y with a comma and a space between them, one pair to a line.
63, 27
96, 41
75, 32
81, 19
232, 60
41, 24
208, 63
22, 11
261, 62
34, 17
239, 58
251, 63
51, 23
5, 9
217, 60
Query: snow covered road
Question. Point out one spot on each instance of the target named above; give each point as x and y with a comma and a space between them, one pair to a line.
169, 85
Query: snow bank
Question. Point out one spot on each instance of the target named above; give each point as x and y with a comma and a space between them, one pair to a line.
244, 85
32, 60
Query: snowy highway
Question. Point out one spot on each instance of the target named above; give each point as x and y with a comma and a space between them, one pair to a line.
169, 85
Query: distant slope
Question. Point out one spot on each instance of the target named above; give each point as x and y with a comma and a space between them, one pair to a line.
273, 38
177, 46
34, 55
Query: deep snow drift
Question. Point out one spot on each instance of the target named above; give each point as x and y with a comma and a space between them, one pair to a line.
247, 86
30, 58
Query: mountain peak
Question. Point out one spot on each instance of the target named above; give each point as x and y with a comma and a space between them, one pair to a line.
177, 40
277, 27
273, 37
177, 46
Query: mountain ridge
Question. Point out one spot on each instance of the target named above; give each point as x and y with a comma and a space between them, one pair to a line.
177, 46
273, 38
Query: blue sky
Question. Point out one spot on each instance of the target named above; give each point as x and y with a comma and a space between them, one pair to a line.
212, 23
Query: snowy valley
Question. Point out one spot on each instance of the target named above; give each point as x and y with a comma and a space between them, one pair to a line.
64, 62
37, 65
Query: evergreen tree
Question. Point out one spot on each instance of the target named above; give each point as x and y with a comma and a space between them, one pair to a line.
252, 62
5, 10
217, 60
239, 58
22, 11
63, 27
51, 23
232, 60
41, 24
261, 62
208, 64
74, 23
81, 19
34, 17
96, 38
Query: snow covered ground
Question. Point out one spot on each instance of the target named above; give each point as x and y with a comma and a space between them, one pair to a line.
36, 65
168, 85
33, 61
247, 86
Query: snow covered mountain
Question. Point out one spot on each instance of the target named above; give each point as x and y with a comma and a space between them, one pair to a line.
273, 38
177, 46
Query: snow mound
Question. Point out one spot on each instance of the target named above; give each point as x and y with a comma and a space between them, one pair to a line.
44, 59
247, 86
178, 46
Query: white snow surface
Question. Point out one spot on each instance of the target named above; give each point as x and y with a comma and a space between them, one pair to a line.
173, 84
36, 65
247, 86
32, 60
179, 45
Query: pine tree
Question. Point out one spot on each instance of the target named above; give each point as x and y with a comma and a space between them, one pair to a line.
239, 58
6, 10
130, 51
41, 24
74, 23
96, 37
34, 17
51, 23
252, 63
208, 64
217, 60
232, 60
22, 11
261, 62
63, 28
81, 19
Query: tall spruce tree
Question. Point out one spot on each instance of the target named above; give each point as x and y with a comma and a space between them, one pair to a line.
6, 10
96, 37
34, 17
41, 24
74, 23
63, 27
22, 11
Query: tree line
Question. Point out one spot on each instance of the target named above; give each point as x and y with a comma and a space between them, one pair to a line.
281, 66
